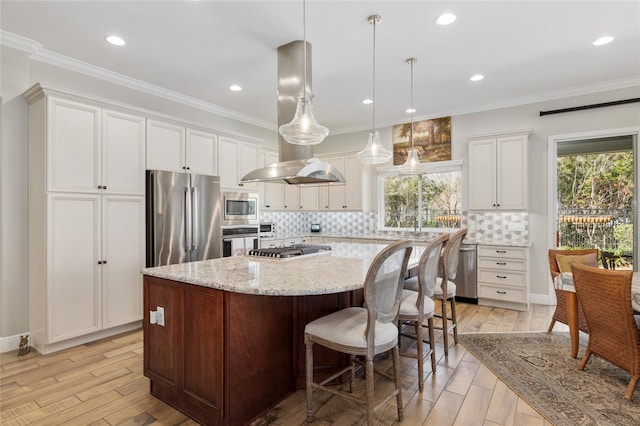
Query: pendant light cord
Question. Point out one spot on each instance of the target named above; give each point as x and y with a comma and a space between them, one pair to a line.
412, 60
374, 21
304, 47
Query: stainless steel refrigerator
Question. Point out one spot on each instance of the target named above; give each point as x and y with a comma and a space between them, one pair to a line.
183, 217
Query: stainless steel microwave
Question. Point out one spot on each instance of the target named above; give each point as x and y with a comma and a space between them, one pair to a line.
239, 208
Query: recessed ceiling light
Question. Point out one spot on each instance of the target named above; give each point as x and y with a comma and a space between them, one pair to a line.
603, 40
367, 101
115, 40
476, 77
446, 19
410, 110
235, 88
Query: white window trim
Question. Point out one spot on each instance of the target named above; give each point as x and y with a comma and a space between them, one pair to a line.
430, 168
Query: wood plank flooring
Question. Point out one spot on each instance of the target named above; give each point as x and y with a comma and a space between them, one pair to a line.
101, 383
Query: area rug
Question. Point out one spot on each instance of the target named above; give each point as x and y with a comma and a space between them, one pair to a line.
539, 368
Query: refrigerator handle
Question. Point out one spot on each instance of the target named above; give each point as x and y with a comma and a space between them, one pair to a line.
187, 219
195, 231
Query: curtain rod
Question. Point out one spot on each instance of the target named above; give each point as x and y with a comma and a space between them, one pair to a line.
579, 108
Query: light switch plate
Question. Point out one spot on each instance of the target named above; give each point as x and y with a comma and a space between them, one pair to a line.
153, 318
160, 315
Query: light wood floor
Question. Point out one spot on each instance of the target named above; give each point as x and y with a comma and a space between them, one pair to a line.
102, 384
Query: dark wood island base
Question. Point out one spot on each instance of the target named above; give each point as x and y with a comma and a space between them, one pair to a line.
224, 358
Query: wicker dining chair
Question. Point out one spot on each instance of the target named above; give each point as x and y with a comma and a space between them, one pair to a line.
418, 306
560, 314
364, 332
614, 332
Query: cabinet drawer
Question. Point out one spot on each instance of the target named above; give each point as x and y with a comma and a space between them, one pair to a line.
504, 293
495, 276
502, 251
498, 263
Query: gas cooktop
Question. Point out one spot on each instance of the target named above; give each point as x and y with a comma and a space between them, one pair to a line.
291, 251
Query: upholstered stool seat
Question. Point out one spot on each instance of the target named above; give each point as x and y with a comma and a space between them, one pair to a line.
451, 289
409, 304
347, 328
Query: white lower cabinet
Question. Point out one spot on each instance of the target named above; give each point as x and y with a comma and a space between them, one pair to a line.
86, 276
503, 278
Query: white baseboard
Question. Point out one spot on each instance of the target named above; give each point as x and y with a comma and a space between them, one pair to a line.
542, 299
10, 343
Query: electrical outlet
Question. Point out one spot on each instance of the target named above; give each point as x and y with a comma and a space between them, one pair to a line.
160, 315
153, 317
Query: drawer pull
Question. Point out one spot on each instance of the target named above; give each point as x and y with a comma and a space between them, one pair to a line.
501, 263
501, 251
501, 276
501, 292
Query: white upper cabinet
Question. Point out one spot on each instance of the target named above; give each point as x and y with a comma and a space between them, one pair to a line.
165, 146
73, 155
308, 196
498, 169
201, 152
235, 159
178, 149
123, 142
291, 197
350, 196
94, 150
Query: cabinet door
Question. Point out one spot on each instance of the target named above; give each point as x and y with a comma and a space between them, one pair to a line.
165, 146
271, 194
511, 179
353, 189
336, 192
228, 151
123, 142
482, 174
73, 155
123, 248
291, 197
308, 197
73, 272
247, 162
202, 151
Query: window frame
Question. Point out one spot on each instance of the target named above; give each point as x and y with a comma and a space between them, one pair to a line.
430, 168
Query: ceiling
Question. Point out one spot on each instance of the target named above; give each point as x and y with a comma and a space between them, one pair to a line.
528, 51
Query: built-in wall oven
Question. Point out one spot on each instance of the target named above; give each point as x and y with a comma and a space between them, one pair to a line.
240, 209
238, 240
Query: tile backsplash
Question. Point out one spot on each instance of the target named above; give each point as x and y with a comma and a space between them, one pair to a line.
494, 227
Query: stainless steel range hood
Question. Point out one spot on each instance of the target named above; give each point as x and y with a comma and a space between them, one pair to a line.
296, 163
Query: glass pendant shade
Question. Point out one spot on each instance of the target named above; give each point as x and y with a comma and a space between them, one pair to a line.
412, 166
304, 129
374, 152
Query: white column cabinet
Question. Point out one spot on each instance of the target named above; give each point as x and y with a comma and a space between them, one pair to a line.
178, 149
498, 169
86, 219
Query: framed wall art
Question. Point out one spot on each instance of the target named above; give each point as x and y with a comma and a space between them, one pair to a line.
431, 138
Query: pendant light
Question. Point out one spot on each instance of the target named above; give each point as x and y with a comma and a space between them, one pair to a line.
304, 129
412, 166
374, 152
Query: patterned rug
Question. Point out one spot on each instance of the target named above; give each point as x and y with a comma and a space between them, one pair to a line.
538, 367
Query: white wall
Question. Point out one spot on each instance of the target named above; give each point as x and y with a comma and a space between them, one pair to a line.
528, 117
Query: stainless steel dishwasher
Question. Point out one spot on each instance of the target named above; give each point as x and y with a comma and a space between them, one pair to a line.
466, 280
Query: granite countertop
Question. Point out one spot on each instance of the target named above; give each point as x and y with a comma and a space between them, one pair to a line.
341, 269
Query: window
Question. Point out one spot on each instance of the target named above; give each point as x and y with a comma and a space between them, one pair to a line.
417, 203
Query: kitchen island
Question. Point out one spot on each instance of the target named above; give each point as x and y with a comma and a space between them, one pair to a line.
232, 346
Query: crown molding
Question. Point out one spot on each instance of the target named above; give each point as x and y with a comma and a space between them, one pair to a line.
52, 58
18, 42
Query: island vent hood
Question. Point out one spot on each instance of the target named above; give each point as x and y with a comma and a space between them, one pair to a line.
296, 164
